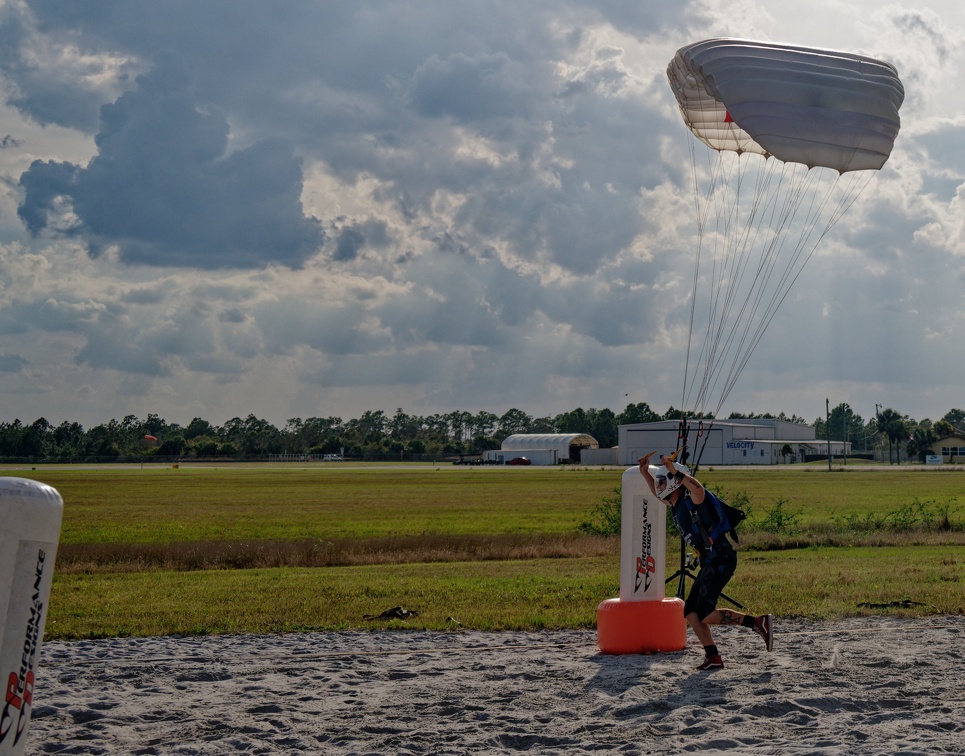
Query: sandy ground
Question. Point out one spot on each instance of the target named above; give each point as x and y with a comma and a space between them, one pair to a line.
860, 686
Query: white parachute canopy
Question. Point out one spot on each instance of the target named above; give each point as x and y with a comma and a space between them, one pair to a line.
795, 134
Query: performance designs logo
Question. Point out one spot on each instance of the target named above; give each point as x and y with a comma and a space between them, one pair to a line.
18, 694
646, 564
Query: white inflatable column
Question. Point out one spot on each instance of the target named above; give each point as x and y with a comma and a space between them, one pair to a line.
30, 516
643, 540
642, 619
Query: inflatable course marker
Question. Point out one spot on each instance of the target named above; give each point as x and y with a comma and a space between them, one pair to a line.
30, 515
642, 619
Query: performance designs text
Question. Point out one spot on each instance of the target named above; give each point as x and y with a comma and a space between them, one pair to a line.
18, 694
646, 564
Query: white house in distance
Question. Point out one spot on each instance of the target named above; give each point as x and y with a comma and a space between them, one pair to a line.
728, 442
542, 448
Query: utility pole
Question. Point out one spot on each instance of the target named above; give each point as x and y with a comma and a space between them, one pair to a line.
847, 427
827, 427
878, 429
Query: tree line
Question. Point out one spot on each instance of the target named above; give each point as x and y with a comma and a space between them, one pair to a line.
376, 434
890, 427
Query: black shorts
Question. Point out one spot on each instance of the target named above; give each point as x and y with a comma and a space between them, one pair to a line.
715, 572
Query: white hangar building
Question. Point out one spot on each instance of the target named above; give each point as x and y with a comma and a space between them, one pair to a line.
728, 442
543, 448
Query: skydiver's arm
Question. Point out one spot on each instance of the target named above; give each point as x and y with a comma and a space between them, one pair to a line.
644, 463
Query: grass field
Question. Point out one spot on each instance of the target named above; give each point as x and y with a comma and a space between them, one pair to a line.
158, 505
287, 548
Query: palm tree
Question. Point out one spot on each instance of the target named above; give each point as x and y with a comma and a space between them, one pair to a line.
892, 425
920, 443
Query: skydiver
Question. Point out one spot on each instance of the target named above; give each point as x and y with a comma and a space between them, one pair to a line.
696, 511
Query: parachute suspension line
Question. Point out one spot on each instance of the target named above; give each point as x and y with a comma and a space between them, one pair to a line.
746, 282
719, 201
742, 299
683, 431
733, 264
839, 197
715, 296
740, 277
717, 186
691, 144
858, 182
738, 253
782, 209
761, 313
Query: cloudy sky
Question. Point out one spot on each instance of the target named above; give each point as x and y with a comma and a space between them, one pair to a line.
299, 209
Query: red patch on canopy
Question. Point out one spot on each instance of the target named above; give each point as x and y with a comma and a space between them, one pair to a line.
727, 118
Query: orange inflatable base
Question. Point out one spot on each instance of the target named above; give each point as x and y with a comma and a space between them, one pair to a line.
641, 627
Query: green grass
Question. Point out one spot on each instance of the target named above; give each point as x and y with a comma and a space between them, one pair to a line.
506, 595
835, 582
466, 543
821, 495
192, 504
158, 505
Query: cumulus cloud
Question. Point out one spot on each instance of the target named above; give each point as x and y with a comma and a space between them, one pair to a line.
353, 238
54, 76
477, 204
163, 190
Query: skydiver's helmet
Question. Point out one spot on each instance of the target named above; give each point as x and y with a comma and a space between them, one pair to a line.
664, 483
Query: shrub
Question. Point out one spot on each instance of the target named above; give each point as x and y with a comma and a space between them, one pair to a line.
605, 517
778, 519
